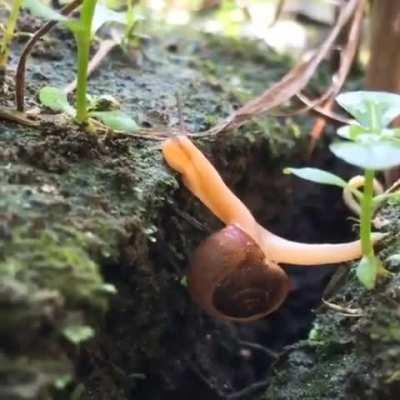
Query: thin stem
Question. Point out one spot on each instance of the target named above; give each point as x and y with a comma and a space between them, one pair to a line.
367, 209
83, 39
8, 34
130, 19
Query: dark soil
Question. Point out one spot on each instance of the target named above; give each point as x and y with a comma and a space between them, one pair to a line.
82, 214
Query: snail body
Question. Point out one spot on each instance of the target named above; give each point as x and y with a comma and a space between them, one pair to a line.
234, 274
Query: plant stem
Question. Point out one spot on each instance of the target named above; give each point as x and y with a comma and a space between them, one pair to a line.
367, 209
83, 39
8, 36
130, 18
130, 24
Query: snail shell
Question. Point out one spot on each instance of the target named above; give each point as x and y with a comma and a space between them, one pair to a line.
231, 280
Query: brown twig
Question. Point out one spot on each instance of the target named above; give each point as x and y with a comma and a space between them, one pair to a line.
324, 112
309, 105
346, 61
292, 83
15, 116
21, 68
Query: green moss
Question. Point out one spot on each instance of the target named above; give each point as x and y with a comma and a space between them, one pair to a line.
45, 262
31, 379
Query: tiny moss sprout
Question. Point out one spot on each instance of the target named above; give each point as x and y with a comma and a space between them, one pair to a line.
8, 36
92, 17
372, 146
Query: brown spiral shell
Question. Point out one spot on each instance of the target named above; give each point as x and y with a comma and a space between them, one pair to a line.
230, 279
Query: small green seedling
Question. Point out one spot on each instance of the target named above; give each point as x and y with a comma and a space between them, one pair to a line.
371, 145
133, 18
8, 36
55, 99
91, 19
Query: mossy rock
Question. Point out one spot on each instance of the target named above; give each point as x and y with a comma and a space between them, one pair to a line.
353, 350
91, 249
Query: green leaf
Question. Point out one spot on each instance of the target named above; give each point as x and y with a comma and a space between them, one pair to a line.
317, 175
359, 104
55, 99
74, 25
104, 15
390, 133
352, 132
37, 8
377, 155
78, 333
367, 270
116, 120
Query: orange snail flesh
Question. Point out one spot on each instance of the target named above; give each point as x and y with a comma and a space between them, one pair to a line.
231, 280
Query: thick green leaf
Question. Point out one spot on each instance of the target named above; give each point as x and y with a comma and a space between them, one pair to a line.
116, 120
377, 155
316, 175
55, 99
365, 106
367, 271
352, 132
37, 8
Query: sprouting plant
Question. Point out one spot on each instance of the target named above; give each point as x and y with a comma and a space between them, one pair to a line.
91, 19
7, 37
371, 145
132, 17
103, 108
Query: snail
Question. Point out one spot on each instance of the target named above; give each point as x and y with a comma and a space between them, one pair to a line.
231, 279
234, 274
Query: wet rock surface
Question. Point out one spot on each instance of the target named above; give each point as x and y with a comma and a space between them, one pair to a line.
96, 231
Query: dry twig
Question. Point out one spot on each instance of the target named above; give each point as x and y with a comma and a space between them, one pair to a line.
346, 61
292, 83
